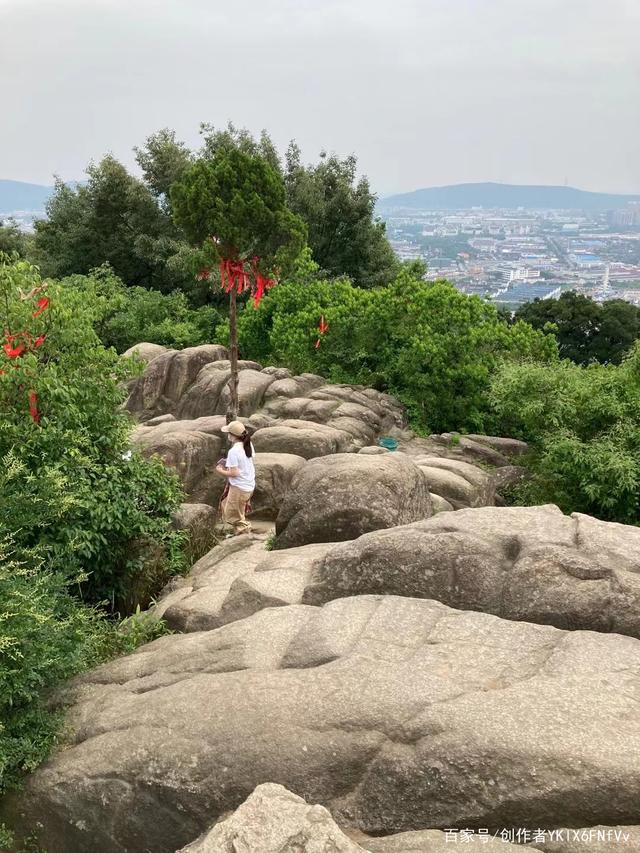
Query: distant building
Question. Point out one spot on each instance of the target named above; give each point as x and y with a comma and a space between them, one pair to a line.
626, 217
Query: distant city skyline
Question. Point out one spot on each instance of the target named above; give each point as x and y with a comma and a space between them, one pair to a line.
424, 92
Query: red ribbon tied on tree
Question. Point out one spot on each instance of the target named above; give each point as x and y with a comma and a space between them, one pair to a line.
322, 328
239, 275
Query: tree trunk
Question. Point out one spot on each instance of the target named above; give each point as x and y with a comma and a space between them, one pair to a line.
232, 411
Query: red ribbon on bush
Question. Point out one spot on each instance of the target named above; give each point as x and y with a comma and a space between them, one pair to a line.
322, 328
18, 344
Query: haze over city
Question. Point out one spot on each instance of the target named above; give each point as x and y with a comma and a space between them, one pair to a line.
424, 92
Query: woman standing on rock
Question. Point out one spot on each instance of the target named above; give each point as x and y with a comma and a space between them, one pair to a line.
241, 474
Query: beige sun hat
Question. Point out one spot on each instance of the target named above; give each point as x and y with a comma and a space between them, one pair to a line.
236, 428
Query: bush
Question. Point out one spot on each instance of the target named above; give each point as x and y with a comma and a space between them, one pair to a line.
124, 316
584, 427
425, 342
82, 518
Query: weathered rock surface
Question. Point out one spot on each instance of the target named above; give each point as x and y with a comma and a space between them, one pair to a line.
389, 711
342, 496
167, 377
145, 351
235, 580
529, 563
273, 820
192, 448
459, 483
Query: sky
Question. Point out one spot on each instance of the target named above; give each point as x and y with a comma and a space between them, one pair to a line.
423, 92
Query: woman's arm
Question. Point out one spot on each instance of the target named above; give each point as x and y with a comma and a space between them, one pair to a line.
227, 472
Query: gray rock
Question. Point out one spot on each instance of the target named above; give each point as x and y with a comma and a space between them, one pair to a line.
274, 473
342, 496
302, 438
199, 521
236, 579
192, 449
506, 446
273, 820
459, 483
374, 450
391, 712
530, 563
145, 351
167, 377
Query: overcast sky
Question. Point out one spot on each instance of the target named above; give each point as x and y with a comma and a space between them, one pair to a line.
424, 92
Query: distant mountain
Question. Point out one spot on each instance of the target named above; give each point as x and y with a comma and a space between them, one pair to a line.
16, 195
489, 195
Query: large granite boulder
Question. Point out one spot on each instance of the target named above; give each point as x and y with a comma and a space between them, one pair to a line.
192, 449
531, 563
274, 473
302, 438
146, 352
342, 496
392, 712
459, 483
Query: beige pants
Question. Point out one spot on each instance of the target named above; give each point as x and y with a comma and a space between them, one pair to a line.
233, 509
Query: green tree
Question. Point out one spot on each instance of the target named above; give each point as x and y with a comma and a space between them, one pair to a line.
345, 236
233, 206
83, 518
163, 161
12, 239
113, 219
99, 510
124, 316
585, 330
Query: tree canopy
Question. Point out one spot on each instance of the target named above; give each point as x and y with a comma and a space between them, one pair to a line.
344, 235
586, 330
237, 202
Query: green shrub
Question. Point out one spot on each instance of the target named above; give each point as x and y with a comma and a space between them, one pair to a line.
83, 520
124, 316
425, 342
584, 427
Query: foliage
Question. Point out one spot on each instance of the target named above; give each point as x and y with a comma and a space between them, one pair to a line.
82, 518
584, 426
236, 202
99, 509
12, 239
163, 161
339, 210
124, 316
426, 342
114, 218
585, 330
125, 221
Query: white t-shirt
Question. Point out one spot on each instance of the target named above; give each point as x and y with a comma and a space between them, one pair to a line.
237, 458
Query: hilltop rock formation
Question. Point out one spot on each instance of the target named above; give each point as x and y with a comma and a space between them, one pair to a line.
389, 711
182, 397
